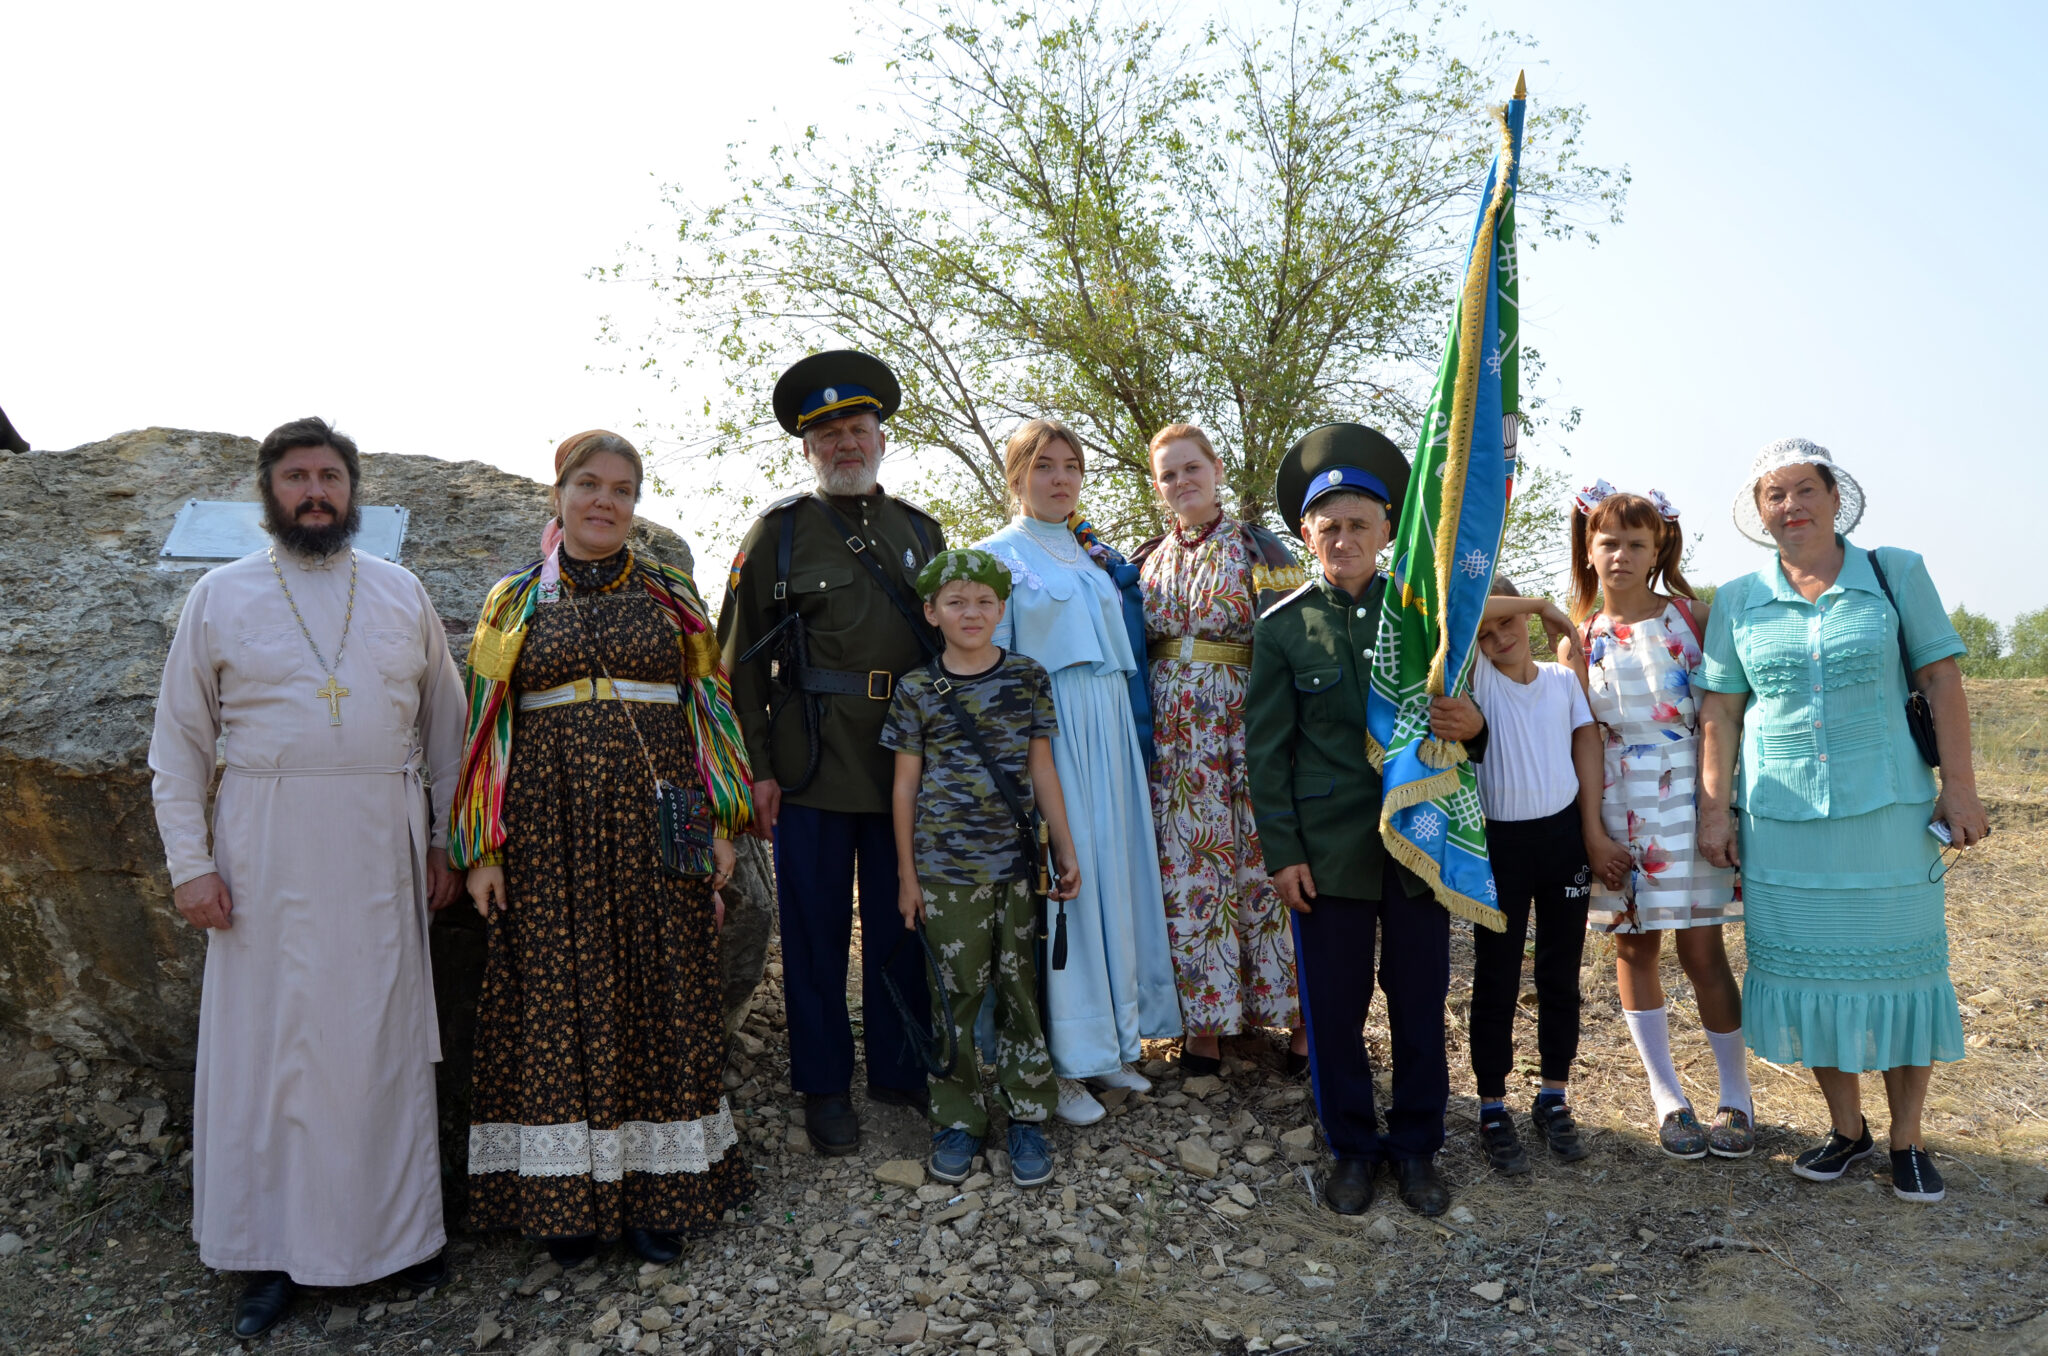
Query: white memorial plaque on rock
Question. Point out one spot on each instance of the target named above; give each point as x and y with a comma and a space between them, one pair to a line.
228, 529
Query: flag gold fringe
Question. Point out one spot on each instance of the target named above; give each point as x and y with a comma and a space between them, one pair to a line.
1465, 395
1458, 905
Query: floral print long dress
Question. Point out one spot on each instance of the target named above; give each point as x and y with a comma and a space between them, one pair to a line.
1639, 683
1233, 953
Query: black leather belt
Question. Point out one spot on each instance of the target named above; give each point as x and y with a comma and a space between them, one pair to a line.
876, 684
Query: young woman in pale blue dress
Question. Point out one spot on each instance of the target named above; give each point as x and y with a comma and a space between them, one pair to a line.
1808, 665
1065, 612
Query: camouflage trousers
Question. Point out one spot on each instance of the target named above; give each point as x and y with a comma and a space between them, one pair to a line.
984, 936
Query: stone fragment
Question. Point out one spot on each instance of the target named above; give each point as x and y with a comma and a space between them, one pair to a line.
825, 1265
546, 1346
1038, 1341
1258, 1152
901, 1172
1228, 1208
1463, 1215
113, 1115
1518, 1305
1490, 1291
765, 1284
908, 1327
1201, 1085
1087, 1344
1243, 1194
10, 1244
488, 1330
341, 1318
1198, 1158
607, 1322
1986, 998
585, 1349
1090, 1260
1085, 1290
654, 1319
1600, 1269
1383, 1228
1218, 1330
1251, 1282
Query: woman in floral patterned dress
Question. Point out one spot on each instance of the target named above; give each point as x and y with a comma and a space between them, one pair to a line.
1205, 583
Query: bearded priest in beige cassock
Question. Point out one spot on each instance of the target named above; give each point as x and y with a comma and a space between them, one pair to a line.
315, 1158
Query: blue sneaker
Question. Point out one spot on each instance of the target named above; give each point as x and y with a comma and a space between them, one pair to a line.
1030, 1159
953, 1154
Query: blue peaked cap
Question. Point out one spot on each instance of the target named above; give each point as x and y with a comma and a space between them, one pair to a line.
829, 402
1349, 478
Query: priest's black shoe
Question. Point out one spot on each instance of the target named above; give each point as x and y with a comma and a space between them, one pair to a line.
264, 1301
831, 1124
1421, 1189
1348, 1189
652, 1245
427, 1275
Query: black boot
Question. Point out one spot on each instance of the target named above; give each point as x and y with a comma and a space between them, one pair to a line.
831, 1124
427, 1275
917, 1099
572, 1250
1421, 1189
265, 1300
653, 1245
1348, 1188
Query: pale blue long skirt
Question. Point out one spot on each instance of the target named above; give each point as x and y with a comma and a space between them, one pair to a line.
1118, 985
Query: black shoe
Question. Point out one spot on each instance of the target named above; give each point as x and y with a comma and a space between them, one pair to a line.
1297, 1065
917, 1099
1348, 1188
1554, 1122
1914, 1177
571, 1250
1503, 1147
428, 1275
265, 1300
831, 1124
1200, 1066
1421, 1189
654, 1245
1832, 1159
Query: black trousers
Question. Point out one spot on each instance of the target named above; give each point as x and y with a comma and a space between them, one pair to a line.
1540, 862
816, 852
1334, 950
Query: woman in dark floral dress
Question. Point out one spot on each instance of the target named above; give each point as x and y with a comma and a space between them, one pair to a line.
598, 1109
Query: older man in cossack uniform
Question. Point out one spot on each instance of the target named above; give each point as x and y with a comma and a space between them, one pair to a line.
1316, 800
820, 616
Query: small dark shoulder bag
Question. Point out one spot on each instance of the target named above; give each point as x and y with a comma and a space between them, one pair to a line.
1919, 715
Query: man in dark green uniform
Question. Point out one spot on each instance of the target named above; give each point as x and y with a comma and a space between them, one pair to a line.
1316, 799
820, 616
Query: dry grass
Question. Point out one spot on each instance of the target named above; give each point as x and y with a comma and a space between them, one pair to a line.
1844, 1267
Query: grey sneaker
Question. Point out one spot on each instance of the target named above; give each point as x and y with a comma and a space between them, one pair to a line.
1681, 1136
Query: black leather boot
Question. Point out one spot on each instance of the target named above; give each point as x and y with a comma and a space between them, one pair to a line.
265, 1300
1421, 1189
831, 1124
653, 1245
1348, 1189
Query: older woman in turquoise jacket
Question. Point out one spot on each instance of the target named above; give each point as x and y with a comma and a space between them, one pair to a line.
1838, 823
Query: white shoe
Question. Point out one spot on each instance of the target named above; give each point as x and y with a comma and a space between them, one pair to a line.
1125, 1077
1076, 1106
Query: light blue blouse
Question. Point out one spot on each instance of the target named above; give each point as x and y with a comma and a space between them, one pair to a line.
1824, 734
1049, 575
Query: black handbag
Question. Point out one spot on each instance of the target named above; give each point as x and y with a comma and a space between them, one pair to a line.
1034, 839
1919, 715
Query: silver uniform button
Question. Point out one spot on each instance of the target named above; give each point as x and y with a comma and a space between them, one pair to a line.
1361, 612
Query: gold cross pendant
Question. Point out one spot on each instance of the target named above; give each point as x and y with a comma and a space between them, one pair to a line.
332, 695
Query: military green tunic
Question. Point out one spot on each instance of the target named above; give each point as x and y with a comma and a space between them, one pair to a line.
851, 626
1315, 796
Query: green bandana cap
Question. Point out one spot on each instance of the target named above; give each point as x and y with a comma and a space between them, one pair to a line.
979, 566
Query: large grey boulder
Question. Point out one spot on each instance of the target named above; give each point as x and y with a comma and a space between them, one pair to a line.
91, 951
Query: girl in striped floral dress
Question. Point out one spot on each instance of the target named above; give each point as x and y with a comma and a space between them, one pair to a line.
1640, 644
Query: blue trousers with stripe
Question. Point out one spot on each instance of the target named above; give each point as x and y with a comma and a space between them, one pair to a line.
817, 855
1334, 950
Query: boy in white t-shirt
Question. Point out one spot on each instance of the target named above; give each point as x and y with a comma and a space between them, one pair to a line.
1541, 777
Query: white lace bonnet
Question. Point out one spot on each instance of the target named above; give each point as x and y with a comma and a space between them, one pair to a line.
1776, 457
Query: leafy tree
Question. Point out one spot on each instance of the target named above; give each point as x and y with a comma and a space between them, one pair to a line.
2029, 645
1984, 639
1121, 223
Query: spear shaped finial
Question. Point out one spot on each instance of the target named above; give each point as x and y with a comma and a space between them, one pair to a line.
1521, 85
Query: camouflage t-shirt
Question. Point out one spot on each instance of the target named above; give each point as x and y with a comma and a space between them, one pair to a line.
965, 834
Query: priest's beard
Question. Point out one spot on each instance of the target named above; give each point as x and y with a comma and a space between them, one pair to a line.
303, 540
846, 480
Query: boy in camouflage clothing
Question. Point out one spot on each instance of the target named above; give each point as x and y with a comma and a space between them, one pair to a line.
962, 865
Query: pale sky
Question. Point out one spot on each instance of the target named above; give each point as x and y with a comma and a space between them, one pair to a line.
223, 217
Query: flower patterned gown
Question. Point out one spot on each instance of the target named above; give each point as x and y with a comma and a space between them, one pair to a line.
1233, 953
1639, 683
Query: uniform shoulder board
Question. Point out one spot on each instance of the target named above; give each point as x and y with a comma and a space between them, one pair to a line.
1305, 588
784, 502
918, 509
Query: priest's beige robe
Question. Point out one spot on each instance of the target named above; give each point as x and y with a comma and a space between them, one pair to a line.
314, 1129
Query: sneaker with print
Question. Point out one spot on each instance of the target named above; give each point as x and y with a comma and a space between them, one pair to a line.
1681, 1135
1732, 1135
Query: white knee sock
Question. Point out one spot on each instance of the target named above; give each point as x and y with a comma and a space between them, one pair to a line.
1652, 1032
1733, 1061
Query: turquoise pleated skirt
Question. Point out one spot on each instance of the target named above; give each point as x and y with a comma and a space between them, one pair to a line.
1845, 925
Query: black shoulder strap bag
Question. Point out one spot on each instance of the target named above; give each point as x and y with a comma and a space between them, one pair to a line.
1919, 715
1033, 837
